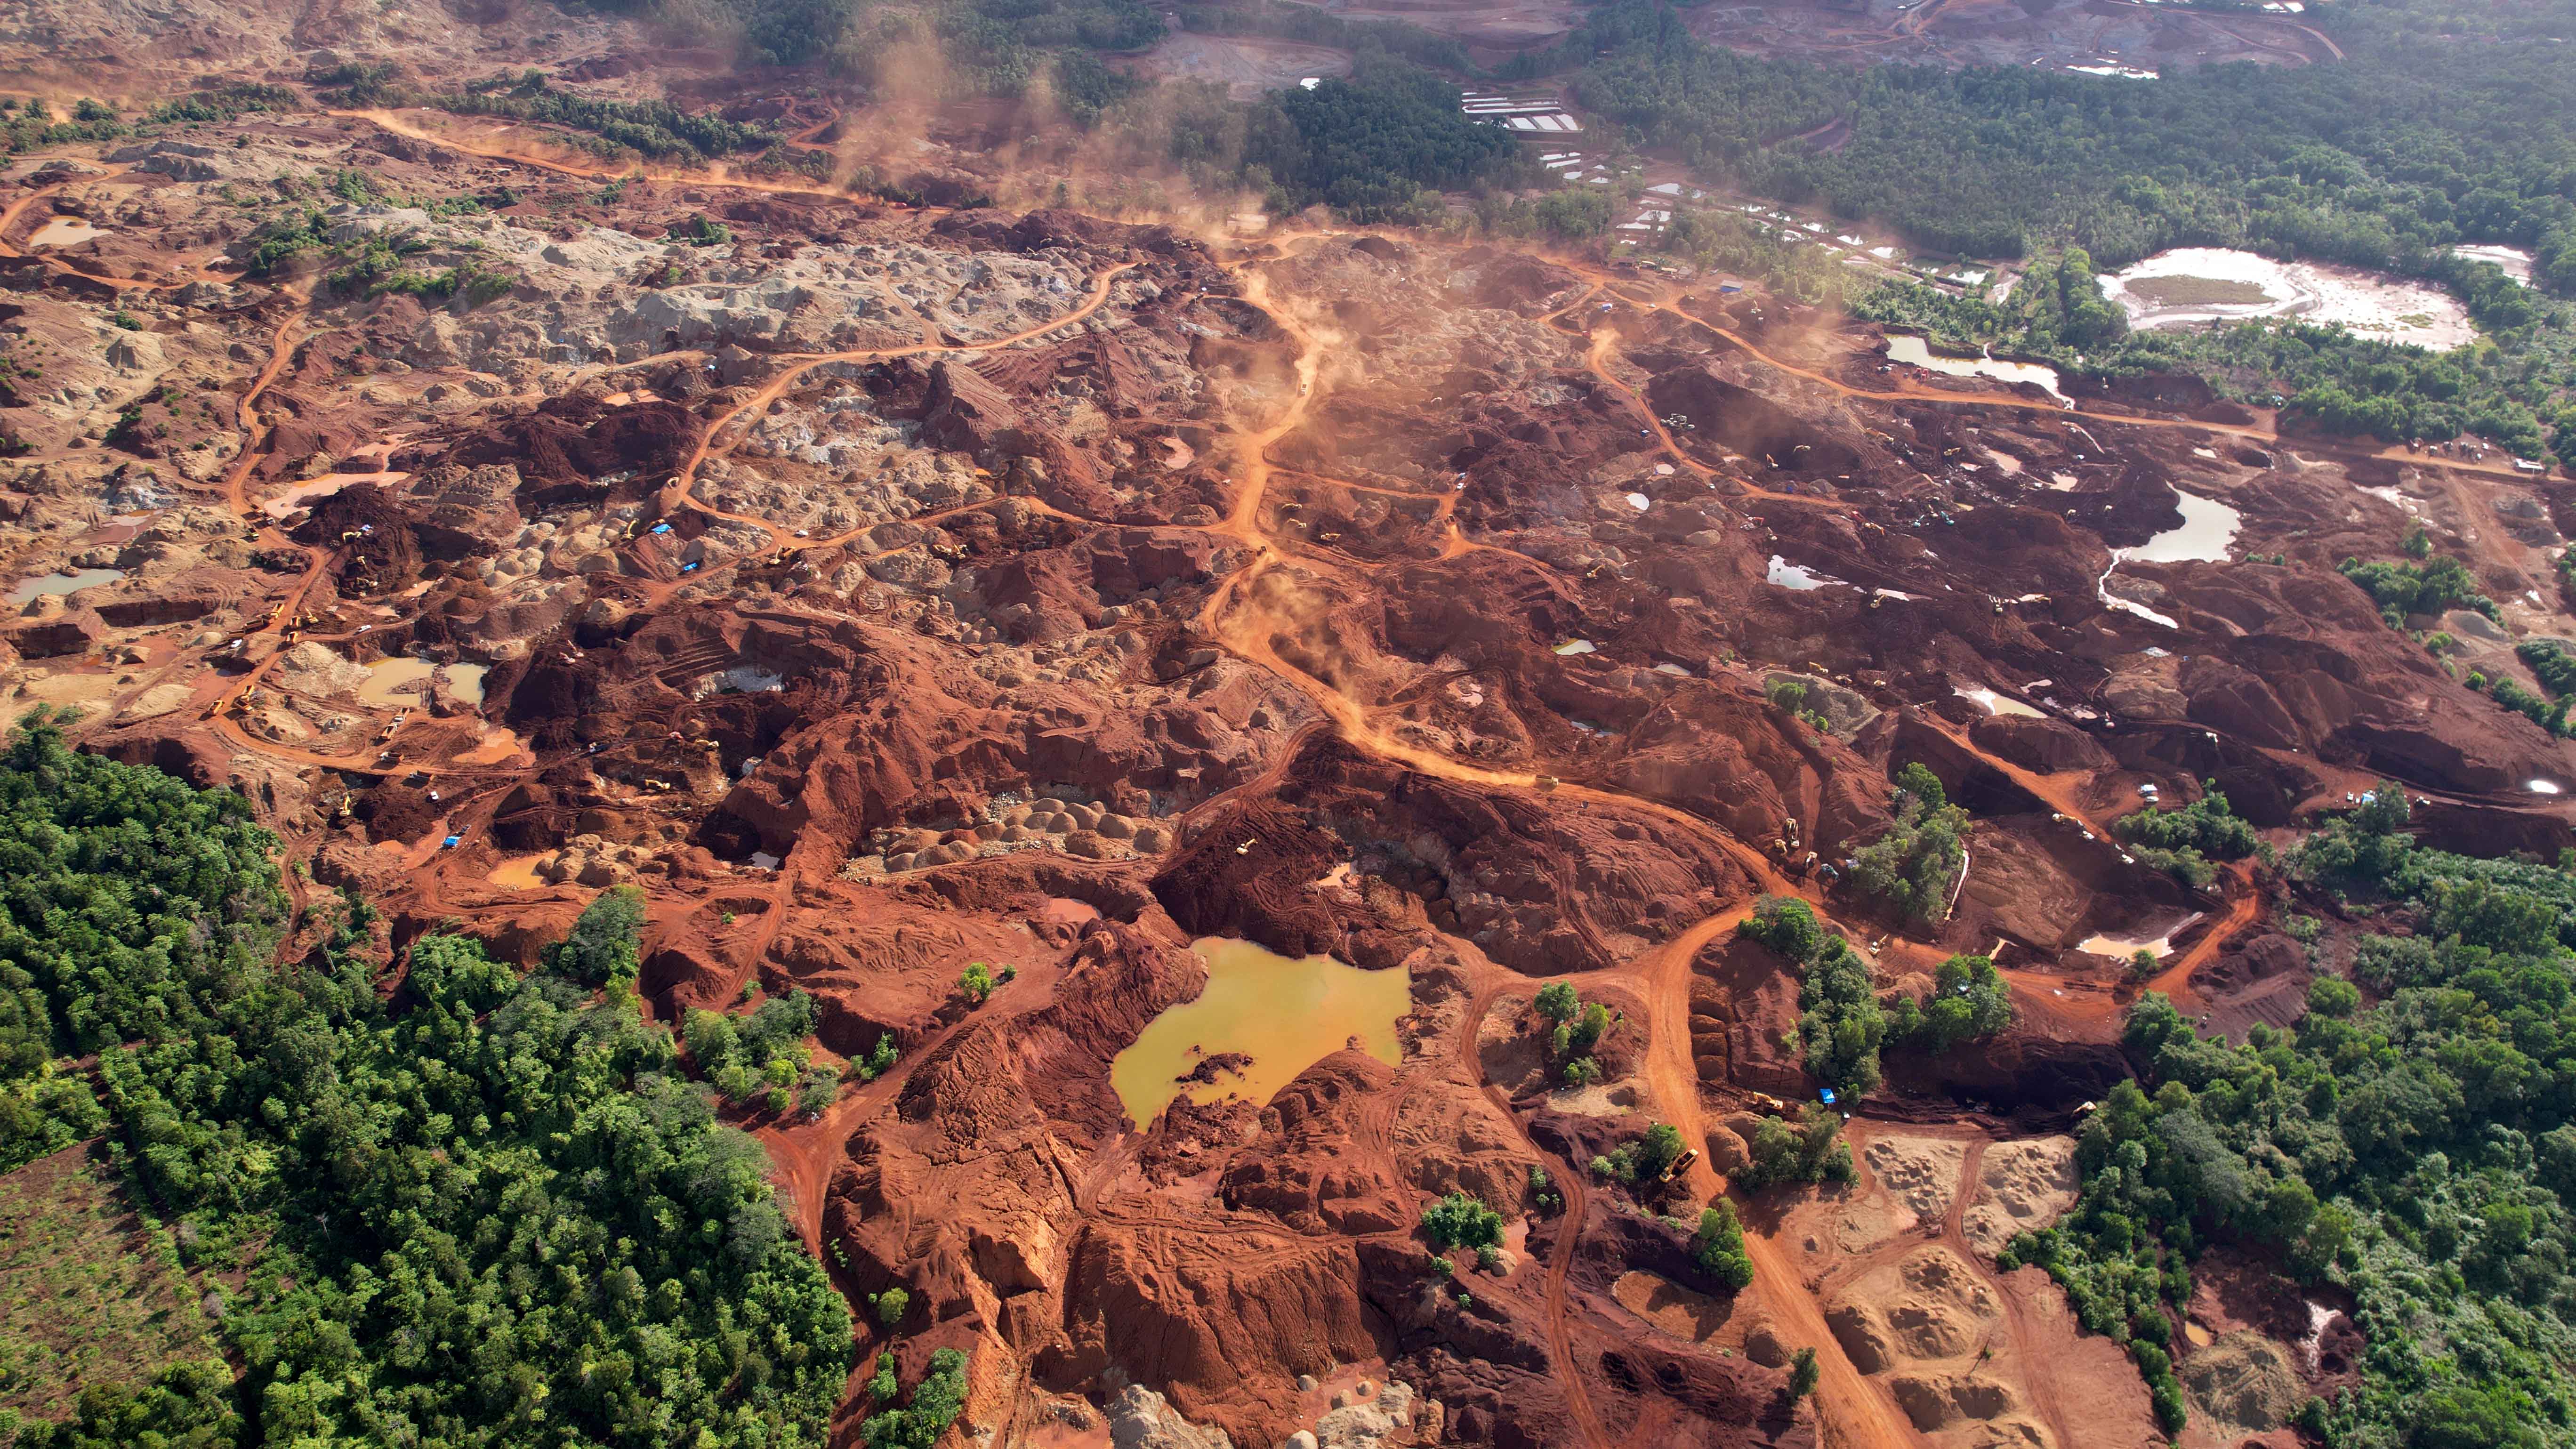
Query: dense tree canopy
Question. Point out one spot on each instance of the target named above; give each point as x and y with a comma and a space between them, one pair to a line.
487, 1211
1369, 146
1840, 1024
2418, 1152
2420, 138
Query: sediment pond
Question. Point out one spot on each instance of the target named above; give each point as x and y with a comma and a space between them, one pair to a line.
1286, 1014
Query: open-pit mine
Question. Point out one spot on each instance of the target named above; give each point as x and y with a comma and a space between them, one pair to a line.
1173, 699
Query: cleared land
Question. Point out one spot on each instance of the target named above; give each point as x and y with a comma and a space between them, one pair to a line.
87, 1294
1245, 65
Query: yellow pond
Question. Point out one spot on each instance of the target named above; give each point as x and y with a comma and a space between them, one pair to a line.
1287, 1014
519, 873
396, 682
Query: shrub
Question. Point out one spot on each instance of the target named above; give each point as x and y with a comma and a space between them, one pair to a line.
1969, 1001
1914, 865
1641, 1160
890, 1306
1461, 1221
1811, 1152
936, 1401
1557, 1003
2206, 825
1917, 780
1787, 925
1718, 1246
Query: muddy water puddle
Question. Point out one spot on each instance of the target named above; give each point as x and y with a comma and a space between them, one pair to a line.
392, 683
2154, 938
1995, 703
519, 873
2515, 261
2207, 530
498, 746
64, 231
1787, 575
1286, 1014
60, 583
1907, 348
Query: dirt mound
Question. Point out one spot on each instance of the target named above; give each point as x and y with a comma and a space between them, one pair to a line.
1735, 418
1928, 1307
1301, 1171
2265, 980
2045, 745
1539, 886
1921, 1172
2022, 1187
2244, 1382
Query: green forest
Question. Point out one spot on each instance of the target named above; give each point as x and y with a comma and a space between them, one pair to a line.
2415, 1146
486, 1210
2418, 139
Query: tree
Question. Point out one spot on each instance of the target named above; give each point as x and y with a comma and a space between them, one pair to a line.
1587, 1029
1557, 1003
936, 1401
1369, 145
975, 983
1642, 1160
1917, 780
1915, 865
1809, 1152
2204, 828
890, 1306
605, 943
880, 1059
1969, 1001
1461, 1221
1787, 925
1803, 1373
1786, 695
817, 1090
569, 1222
1658, 1149
1718, 1246
1840, 1021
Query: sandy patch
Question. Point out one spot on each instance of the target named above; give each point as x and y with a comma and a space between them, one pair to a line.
158, 700
2515, 262
1921, 1173
1510, 1057
83, 691
2022, 1187
317, 670
1928, 1308
1245, 65
1601, 1099
2245, 1383
71, 231
1929, 1323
